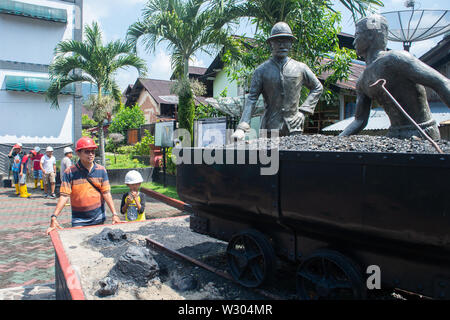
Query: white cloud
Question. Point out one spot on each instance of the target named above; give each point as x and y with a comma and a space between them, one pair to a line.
94, 11
160, 67
194, 61
125, 77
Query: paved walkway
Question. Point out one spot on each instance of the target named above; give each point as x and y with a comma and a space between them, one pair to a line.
27, 259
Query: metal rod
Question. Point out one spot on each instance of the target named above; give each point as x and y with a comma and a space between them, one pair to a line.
156, 245
407, 115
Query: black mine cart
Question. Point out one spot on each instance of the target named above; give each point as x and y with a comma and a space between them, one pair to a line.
340, 216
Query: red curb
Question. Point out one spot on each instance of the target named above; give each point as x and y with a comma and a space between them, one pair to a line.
75, 292
180, 205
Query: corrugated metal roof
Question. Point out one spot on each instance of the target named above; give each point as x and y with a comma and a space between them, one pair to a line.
379, 120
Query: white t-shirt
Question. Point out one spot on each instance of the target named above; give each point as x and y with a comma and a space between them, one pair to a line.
47, 163
65, 163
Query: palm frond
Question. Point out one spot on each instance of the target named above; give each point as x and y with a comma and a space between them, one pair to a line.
57, 84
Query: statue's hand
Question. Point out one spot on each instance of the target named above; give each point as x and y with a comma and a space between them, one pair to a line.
238, 135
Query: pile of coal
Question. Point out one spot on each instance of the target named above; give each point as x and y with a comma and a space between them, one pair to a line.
136, 265
355, 143
108, 287
184, 283
108, 237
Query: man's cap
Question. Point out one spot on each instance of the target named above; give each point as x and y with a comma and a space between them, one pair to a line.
68, 150
281, 30
37, 149
48, 149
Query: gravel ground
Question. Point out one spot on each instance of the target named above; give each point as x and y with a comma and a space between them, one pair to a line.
356, 143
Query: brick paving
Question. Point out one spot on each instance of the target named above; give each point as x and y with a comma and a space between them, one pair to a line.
27, 265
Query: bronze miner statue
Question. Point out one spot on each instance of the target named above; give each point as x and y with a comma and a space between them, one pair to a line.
280, 80
405, 78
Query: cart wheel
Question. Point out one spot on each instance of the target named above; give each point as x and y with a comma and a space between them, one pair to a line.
251, 258
328, 274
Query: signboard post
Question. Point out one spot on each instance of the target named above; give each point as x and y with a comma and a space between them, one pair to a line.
164, 139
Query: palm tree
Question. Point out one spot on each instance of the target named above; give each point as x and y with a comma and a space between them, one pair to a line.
91, 61
272, 11
187, 26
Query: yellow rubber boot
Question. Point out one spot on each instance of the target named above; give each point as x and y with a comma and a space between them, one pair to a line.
35, 183
23, 191
17, 189
26, 191
42, 184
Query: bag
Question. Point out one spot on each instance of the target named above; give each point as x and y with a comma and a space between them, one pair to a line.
84, 170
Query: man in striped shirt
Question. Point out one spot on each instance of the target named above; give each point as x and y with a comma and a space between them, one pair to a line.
87, 185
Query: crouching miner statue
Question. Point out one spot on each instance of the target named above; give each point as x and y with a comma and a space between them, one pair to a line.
405, 77
280, 80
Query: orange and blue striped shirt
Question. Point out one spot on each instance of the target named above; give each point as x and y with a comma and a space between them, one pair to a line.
88, 206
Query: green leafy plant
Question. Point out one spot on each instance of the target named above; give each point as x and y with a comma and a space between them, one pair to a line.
87, 122
142, 148
171, 166
126, 150
127, 118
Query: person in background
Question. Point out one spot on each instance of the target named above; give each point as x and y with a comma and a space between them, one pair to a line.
16, 155
133, 202
36, 168
48, 167
23, 174
86, 184
66, 163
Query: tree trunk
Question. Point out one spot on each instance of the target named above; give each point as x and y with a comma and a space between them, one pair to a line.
101, 135
101, 140
186, 68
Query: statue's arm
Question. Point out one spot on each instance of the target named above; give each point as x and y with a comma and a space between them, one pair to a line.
420, 72
256, 87
362, 113
315, 90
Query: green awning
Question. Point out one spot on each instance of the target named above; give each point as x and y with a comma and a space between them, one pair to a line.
33, 11
32, 84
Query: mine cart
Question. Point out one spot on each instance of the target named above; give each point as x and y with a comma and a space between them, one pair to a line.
340, 216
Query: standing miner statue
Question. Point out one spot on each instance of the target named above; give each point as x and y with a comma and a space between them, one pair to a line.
280, 80
405, 77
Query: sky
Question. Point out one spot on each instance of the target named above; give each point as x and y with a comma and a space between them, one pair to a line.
115, 16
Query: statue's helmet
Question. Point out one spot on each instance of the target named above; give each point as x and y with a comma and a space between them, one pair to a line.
373, 22
281, 30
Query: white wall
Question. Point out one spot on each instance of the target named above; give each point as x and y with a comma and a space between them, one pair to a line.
26, 117
31, 40
221, 82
